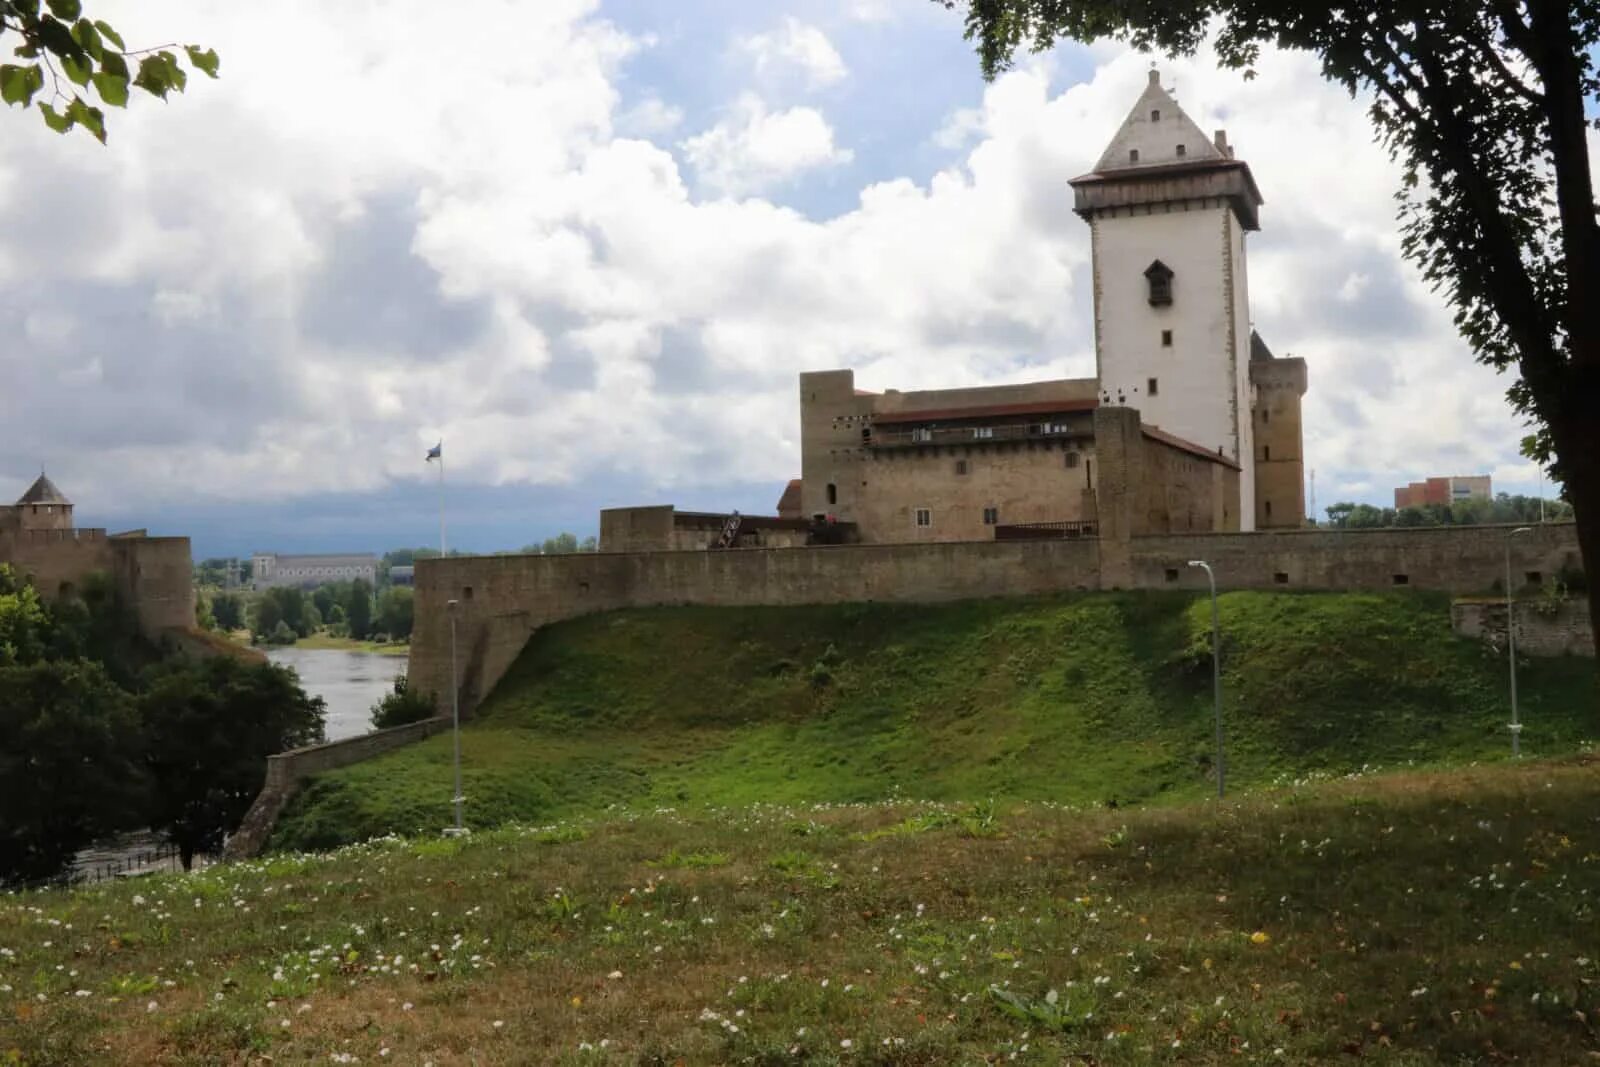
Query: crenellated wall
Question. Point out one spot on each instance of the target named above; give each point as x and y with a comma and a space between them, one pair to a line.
154, 575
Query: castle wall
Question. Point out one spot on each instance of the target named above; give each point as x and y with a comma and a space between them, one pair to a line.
156, 577
1544, 628
503, 599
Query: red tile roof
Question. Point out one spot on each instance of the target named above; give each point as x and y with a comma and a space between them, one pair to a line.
1187, 446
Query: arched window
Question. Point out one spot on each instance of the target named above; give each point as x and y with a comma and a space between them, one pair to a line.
833, 493
1159, 275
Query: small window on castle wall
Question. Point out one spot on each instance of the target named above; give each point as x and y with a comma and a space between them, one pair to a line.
961, 466
1281, 578
1088, 474
1071, 460
1155, 115
1133, 155
1182, 151
1166, 338
1402, 579
1266, 452
1266, 416
1269, 509
466, 592
1154, 387
1534, 577
833, 493
924, 517
1172, 574
991, 516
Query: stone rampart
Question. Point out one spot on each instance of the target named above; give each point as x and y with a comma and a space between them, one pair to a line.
286, 769
1544, 627
501, 600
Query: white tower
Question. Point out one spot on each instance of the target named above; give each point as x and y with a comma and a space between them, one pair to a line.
1168, 209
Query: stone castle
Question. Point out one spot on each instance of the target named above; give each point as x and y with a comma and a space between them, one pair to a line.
1207, 416
153, 575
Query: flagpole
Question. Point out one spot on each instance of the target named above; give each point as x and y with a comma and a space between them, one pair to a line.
442, 548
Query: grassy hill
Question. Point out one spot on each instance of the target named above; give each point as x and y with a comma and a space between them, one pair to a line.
1087, 699
1412, 918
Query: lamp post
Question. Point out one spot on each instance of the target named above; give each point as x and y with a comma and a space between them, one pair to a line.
1511, 644
1216, 672
455, 719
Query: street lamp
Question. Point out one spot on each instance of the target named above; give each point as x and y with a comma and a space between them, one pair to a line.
1511, 644
455, 718
1216, 670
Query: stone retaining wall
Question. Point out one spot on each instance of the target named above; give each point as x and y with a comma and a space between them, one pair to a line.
1544, 628
286, 769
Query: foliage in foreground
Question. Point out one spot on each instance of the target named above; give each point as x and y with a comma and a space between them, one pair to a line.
1412, 919
401, 706
80, 59
1097, 698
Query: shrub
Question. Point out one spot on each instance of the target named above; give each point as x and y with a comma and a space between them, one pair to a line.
401, 706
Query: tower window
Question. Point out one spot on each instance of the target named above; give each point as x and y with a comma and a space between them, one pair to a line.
1154, 387
833, 493
1159, 275
991, 516
1155, 115
1182, 151
961, 466
1133, 155
1266, 416
1269, 509
1266, 452
1166, 338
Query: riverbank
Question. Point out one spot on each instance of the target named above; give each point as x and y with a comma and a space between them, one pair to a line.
327, 642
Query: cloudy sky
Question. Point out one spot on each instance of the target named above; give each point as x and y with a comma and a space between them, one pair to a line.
590, 244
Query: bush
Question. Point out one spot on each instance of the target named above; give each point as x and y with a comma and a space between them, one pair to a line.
401, 706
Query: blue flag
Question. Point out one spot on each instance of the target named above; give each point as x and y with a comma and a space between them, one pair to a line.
436, 452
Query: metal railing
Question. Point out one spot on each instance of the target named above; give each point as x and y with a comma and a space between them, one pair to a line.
974, 435
1047, 531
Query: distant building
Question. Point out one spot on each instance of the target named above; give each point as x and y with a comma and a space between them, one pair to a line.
1445, 491
402, 575
269, 569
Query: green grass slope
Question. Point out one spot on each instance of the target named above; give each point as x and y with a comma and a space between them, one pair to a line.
1085, 699
1403, 919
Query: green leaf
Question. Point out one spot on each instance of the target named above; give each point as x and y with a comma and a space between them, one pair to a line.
177, 77
91, 118
65, 9
113, 90
109, 34
113, 63
57, 38
153, 76
18, 84
203, 60
58, 123
88, 38
77, 73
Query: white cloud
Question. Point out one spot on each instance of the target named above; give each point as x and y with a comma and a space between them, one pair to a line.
794, 46
303, 281
753, 148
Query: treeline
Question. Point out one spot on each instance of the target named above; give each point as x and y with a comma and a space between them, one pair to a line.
101, 732
1503, 508
282, 615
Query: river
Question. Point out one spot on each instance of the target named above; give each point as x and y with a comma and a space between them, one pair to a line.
350, 682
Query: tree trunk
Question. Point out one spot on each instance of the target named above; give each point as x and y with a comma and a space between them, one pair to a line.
186, 854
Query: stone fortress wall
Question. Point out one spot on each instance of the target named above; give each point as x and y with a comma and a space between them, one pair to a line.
154, 575
502, 600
